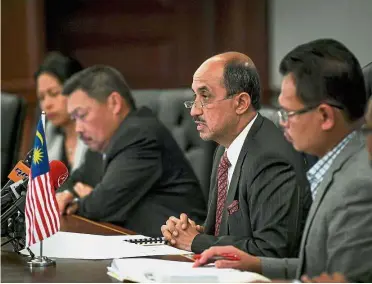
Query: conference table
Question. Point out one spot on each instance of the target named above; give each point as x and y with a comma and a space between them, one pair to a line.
14, 266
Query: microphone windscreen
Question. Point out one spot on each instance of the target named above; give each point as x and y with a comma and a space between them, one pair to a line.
19, 172
58, 173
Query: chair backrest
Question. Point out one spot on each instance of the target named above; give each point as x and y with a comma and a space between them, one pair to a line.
169, 108
270, 113
13, 111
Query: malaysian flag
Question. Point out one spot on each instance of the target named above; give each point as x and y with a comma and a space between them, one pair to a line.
41, 210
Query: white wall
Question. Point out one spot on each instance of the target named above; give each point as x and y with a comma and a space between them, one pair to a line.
293, 22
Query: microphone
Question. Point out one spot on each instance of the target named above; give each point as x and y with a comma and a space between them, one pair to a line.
16, 197
20, 171
58, 173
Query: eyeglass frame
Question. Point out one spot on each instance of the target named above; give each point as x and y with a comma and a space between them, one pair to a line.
283, 113
190, 104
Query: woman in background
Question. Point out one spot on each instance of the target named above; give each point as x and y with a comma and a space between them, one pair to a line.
62, 141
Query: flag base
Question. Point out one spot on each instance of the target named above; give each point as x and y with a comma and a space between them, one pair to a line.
42, 261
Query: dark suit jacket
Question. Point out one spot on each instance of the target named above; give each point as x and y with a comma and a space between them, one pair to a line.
146, 179
267, 200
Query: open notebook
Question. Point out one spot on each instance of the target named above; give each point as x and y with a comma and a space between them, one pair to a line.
156, 270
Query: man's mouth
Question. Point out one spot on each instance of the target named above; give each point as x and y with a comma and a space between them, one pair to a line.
286, 135
199, 124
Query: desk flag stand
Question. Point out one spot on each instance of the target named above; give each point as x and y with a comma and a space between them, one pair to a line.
40, 261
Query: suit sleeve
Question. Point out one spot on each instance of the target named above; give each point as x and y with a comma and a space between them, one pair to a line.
279, 268
349, 241
274, 208
130, 174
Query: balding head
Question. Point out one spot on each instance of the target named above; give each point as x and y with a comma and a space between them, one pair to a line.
227, 92
234, 56
235, 71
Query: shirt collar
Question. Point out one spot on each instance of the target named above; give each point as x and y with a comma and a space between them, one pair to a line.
317, 172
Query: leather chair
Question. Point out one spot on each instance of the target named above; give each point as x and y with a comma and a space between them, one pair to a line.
169, 108
13, 111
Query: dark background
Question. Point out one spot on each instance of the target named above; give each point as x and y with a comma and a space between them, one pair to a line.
156, 44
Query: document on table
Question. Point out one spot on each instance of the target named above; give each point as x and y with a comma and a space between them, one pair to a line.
156, 270
86, 246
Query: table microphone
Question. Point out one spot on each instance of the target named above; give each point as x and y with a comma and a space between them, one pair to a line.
14, 214
20, 171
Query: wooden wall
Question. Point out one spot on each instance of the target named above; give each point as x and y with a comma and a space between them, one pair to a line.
154, 43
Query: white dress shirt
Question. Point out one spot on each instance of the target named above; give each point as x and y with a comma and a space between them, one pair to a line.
236, 146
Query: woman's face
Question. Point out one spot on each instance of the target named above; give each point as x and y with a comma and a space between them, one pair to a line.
51, 99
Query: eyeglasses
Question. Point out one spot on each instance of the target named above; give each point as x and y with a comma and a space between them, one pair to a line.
366, 130
199, 104
285, 115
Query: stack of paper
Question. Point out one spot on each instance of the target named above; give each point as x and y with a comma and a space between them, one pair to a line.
86, 246
156, 270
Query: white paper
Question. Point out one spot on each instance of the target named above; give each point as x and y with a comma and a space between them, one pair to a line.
156, 270
86, 246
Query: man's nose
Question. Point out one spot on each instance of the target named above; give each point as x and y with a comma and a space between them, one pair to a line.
78, 126
196, 111
283, 124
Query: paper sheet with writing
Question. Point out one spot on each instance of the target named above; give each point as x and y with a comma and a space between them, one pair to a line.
86, 246
157, 270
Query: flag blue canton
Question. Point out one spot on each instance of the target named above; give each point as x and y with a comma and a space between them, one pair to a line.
40, 161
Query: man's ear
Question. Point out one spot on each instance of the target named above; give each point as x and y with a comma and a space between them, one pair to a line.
327, 116
115, 102
242, 102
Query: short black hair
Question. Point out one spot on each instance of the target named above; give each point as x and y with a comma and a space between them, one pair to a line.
60, 66
324, 70
99, 81
240, 76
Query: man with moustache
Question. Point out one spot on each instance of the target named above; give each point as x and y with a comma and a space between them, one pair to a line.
259, 197
146, 177
323, 99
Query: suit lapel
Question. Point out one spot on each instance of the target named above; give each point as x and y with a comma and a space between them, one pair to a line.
234, 184
353, 146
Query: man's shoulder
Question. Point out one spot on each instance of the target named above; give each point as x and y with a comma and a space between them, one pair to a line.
268, 140
356, 170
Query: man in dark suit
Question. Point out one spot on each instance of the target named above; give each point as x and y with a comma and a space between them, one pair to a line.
323, 100
259, 197
145, 174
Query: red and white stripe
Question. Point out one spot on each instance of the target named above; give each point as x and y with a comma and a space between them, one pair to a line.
41, 210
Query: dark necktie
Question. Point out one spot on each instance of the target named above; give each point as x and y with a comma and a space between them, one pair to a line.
222, 184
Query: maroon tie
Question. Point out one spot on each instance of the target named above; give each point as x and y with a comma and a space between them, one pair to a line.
222, 183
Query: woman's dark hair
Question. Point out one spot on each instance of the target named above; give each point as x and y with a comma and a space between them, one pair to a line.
58, 65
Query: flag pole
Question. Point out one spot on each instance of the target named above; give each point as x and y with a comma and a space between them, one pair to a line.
41, 261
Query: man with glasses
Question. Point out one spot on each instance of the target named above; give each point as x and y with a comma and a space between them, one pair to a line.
259, 195
323, 99
146, 176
